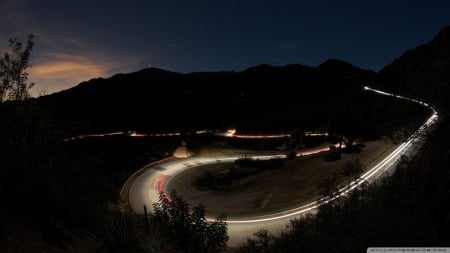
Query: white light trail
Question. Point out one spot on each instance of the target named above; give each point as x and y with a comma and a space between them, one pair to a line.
145, 189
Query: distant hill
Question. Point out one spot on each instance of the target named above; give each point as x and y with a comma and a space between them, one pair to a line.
263, 98
422, 72
404, 207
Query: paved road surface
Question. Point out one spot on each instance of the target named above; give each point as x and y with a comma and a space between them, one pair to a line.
145, 189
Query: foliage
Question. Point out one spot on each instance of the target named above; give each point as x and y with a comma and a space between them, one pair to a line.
188, 229
13, 64
260, 243
44, 191
408, 209
173, 227
26, 170
118, 233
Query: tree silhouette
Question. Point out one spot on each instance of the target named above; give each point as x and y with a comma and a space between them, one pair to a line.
13, 78
118, 233
188, 229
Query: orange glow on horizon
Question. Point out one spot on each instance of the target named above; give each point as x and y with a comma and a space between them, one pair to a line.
61, 71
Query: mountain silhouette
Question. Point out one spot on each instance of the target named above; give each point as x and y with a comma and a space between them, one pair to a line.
154, 99
422, 72
260, 98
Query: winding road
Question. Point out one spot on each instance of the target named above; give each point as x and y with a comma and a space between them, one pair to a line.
146, 187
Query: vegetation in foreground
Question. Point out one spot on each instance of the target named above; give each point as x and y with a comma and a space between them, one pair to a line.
49, 196
173, 227
409, 209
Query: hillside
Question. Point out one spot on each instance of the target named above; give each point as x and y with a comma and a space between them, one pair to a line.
408, 209
261, 98
422, 72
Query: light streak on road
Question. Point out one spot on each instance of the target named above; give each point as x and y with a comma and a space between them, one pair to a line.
228, 133
316, 150
261, 136
159, 185
136, 134
123, 133
94, 135
316, 134
145, 189
232, 134
400, 97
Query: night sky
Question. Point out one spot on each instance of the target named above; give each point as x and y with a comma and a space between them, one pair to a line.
80, 40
